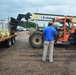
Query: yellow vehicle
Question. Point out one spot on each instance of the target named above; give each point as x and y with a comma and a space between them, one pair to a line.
7, 34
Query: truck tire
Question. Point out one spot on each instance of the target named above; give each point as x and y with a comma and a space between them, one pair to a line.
71, 40
13, 40
35, 40
8, 43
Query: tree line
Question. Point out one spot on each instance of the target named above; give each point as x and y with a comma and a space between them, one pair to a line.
27, 24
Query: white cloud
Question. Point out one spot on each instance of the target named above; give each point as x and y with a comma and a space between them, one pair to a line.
15, 7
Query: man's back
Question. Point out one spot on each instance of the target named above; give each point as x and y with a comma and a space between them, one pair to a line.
49, 33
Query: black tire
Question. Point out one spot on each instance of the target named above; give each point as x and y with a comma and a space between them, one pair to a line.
13, 40
8, 43
71, 40
35, 40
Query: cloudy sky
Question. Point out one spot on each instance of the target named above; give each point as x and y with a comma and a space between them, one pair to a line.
11, 8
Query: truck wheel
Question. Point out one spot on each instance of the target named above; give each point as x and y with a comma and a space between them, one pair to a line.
8, 43
71, 40
13, 40
35, 40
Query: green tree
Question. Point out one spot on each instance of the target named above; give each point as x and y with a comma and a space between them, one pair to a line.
27, 24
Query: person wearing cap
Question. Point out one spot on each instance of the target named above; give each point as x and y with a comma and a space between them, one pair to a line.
48, 38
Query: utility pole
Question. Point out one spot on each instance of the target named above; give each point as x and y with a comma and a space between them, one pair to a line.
8, 18
36, 20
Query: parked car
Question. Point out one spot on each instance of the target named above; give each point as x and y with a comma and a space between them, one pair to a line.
20, 28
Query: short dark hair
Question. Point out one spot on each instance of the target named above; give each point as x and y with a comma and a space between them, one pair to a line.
50, 24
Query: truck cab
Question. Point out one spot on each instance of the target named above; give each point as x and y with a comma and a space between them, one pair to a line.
65, 28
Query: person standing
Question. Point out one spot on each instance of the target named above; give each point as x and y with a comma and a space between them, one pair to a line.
48, 38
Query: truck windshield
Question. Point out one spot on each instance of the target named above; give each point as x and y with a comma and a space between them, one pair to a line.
59, 24
69, 24
59, 27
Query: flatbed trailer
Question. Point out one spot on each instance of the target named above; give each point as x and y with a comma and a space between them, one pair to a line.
8, 40
7, 33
